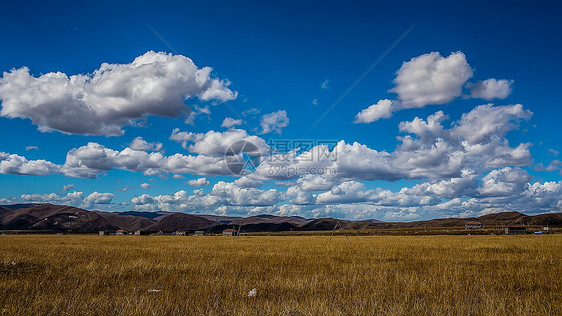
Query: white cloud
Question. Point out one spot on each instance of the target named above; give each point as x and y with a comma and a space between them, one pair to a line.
222, 195
234, 195
28, 148
476, 141
93, 159
5, 201
424, 80
113, 96
299, 197
145, 186
274, 122
178, 176
552, 166
346, 192
68, 187
449, 188
325, 85
491, 89
201, 182
312, 182
487, 122
246, 182
216, 143
72, 198
251, 112
196, 112
140, 144
540, 197
229, 122
504, 182
315, 101
15, 164
98, 198
431, 79
382, 109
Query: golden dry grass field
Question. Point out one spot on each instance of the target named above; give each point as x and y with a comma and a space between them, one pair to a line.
293, 275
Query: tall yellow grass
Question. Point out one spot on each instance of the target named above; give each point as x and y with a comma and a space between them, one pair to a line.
389, 275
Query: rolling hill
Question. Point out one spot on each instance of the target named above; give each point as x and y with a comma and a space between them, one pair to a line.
60, 218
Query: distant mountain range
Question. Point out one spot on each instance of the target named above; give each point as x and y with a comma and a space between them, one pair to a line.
60, 218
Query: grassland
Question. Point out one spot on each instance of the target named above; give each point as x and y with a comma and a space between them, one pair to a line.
304, 275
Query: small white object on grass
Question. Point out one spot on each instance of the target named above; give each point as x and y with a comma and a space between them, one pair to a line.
253, 293
154, 291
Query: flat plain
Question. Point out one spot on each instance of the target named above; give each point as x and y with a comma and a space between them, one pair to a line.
292, 275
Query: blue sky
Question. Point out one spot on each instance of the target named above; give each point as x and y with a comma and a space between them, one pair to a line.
278, 70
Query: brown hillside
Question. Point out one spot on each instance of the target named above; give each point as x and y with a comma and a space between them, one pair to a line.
180, 221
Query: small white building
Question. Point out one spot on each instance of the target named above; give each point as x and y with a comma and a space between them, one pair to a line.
102, 233
229, 232
473, 225
180, 233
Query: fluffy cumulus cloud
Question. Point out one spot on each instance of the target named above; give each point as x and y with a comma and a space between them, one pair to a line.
15, 164
274, 122
424, 80
491, 89
113, 96
68, 187
246, 182
229, 122
216, 143
200, 182
140, 144
93, 159
97, 198
382, 109
75, 198
223, 194
505, 181
428, 150
312, 182
431, 79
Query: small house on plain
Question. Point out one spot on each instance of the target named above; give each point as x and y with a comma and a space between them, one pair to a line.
180, 233
121, 233
102, 233
137, 232
229, 232
473, 225
515, 230
199, 233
